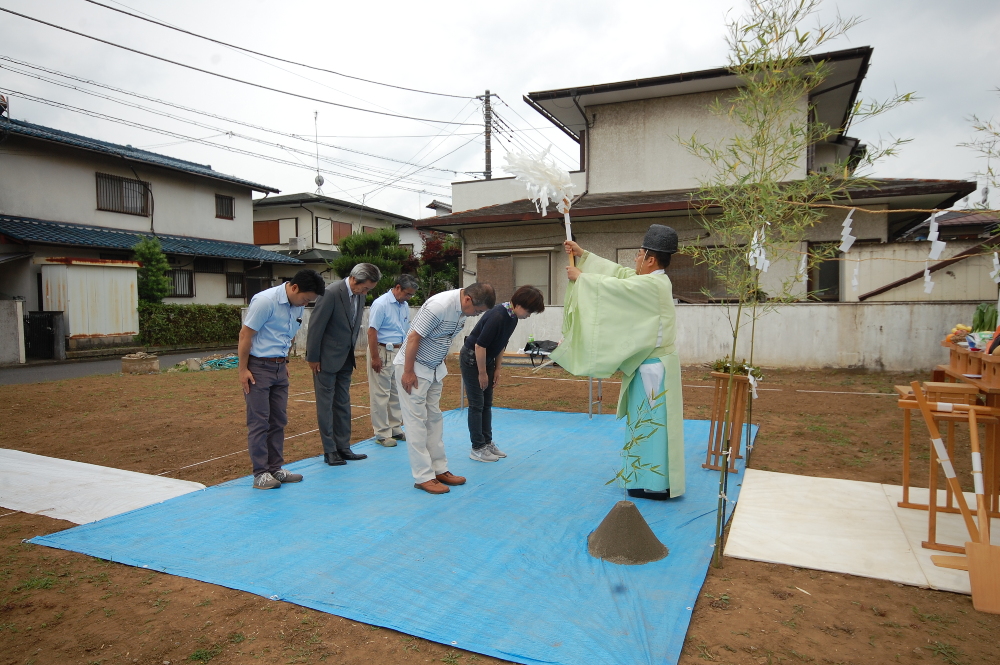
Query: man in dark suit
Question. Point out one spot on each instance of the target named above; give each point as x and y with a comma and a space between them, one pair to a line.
333, 332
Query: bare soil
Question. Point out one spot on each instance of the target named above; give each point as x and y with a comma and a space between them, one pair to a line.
63, 607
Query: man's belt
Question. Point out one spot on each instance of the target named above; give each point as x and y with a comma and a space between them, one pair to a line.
394, 345
271, 360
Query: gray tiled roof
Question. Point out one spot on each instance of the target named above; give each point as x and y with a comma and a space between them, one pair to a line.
21, 128
30, 230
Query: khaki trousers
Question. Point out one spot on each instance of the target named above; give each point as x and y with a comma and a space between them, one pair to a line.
424, 427
387, 421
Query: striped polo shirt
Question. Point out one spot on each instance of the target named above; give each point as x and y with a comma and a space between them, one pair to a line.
438, 323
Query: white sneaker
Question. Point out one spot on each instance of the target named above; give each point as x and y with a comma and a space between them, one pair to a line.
492, 447
483, 455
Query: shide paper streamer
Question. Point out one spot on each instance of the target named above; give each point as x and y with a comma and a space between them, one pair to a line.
937, 246
846, 239
545, 182
756, 257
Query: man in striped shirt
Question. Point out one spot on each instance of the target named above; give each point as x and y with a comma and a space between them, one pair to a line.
420, 376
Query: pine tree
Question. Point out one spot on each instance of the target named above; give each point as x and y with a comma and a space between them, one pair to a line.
380, 248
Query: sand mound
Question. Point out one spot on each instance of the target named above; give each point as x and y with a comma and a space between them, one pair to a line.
624, 537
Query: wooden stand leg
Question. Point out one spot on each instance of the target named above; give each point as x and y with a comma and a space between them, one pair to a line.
906, 458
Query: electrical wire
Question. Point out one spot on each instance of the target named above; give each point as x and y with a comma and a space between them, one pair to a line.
178, 106
224, 76
240, 151
514, 111
271, 57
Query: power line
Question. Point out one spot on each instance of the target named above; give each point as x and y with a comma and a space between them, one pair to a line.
181, 107
271, 57
224, 76
240, 151
504, 102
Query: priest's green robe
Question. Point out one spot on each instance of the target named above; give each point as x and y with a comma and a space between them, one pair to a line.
615, 319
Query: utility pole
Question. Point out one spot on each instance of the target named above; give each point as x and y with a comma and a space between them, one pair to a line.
488, 122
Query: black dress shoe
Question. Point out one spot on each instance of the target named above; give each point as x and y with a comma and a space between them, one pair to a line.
351, 455
643, 494
334, 459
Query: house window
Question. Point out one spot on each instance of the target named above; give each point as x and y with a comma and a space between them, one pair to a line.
340, 231
691, 281
506, 273
124, 195
204, 264
225, 207
182, 283
266, 233
824, 277
234, 285
369, 229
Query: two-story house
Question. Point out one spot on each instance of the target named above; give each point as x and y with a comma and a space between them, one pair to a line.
72, 207
309, 227
634, 172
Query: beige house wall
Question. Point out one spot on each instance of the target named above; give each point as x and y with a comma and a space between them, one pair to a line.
481, 193
635, 146
879, 265
51, 182
297, 220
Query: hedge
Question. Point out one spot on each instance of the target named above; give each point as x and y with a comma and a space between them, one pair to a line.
168, 325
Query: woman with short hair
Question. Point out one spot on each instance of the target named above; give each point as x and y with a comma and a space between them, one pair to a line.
481, 358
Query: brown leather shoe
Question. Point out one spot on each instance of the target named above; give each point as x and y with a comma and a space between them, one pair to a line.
432, 487
449, 478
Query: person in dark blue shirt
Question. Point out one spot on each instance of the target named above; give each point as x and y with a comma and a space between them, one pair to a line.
480, 360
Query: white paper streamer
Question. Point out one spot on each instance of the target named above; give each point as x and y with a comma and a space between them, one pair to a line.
804, 266
753, 384
846, 239
928, 282
756, 257
995, 275
544, 179
854, 278
937, 246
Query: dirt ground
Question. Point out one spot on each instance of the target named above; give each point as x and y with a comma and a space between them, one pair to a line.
63, 607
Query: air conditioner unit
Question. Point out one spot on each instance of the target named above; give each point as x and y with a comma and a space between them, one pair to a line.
298, 243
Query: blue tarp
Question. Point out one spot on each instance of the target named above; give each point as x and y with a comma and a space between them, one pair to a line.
498, 566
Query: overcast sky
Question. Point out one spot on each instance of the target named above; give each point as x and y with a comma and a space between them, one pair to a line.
946, 52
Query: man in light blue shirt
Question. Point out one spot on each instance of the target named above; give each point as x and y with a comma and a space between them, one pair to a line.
273, 318
388, 323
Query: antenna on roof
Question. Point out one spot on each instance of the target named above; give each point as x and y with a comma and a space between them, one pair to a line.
319, 179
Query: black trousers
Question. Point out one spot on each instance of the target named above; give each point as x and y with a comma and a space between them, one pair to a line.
480, 401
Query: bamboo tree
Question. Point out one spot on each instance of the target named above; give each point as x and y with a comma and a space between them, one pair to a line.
756, 203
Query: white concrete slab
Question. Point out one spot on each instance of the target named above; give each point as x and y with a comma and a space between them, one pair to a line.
840, 526
79, 492
951, 530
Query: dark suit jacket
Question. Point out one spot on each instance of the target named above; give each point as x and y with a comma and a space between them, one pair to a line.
332, 337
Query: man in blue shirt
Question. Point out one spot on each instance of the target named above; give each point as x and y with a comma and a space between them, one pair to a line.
388, 323
273, 318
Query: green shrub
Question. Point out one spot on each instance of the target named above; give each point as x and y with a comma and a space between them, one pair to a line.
170, 325
153, 283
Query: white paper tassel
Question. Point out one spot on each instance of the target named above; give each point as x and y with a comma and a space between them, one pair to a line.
937, 246
804, 266
753, 384
928, 282
854, 278
756, 256
995, 275
544, 179
846, 239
